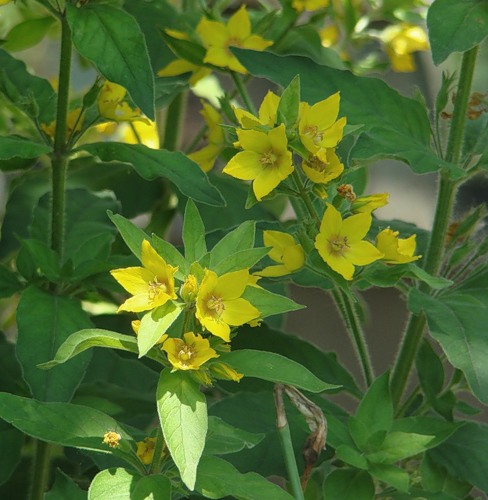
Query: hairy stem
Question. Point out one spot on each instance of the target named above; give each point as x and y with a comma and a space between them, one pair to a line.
445, 197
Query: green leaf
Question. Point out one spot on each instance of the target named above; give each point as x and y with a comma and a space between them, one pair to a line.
269, 303
64, 487
374, 414
436, 478
124, 58
351, 456
456, 26
224, 438
289, 104
217, 478
20, 147
122, 484
31, 94
397, 126
324, 365
458, 321
465, 455
44, 260
27, 34
88, 234
275, 368
240, 260
430, 371
193, 233
349, 484
398, 446
155, 323
440, 430
12, 440
153, 163
131, 234
239, 239
94, 337
392, 475
182, 411
65, 424
45, 321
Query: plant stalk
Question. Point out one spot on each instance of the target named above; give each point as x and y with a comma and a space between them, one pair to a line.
174, 115
241, 89
40, 469
445, 198
60, 154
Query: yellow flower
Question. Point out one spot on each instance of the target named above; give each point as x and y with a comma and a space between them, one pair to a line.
145, 450
401, 41
225, 372
318, 126
112, 439
112, 106
180, 66
265, 159
147, 133
310, 5
396, 250
74, 122
190, 353
151, 286
266, 114
189, 288
218, 37
340, 242
285, 251
329, 35
206, 156
323, 167
219, 303
366, 204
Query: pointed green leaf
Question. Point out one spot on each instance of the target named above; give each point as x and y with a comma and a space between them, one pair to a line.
154, 324
289, 104
269, 303
64, 487
351, 456
456, 26
65, 424
12, 440
9, 283
28, 33
458, 322
122, 484
217, 478
182, 411
124, 58
33, 95
45, 321
94, 337
398, 446
349, 484
465, 454
153, 163
239, 239
374, 414
20, 147
240, 260
131, 234
193, 233
275, 368
171, 255
392, 475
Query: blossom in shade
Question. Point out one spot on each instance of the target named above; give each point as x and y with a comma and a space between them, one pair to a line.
396, 250
285, 250
189, 353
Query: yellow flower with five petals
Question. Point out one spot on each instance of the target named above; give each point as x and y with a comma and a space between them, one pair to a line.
151, 285
189, 353
340, 242
265, 159
395, 249
220, 305
284, 250
323, 167
217, 37
318, 125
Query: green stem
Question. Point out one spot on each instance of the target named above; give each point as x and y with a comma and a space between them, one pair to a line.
306, 198
40, 470
158, 451
445, 197
243, 92
60, 154
353, 326
286, 444
174, 115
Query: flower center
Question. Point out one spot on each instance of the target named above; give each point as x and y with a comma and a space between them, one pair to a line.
216, 304
268, 159
339, 244
186, 353
317, 164
156, 288
314, 132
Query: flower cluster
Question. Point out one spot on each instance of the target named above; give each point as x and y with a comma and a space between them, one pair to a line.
211, 304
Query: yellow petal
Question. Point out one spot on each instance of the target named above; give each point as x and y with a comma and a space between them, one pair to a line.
239, 311
356, 227
363, 253
134, 279
239, 25
232, 285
